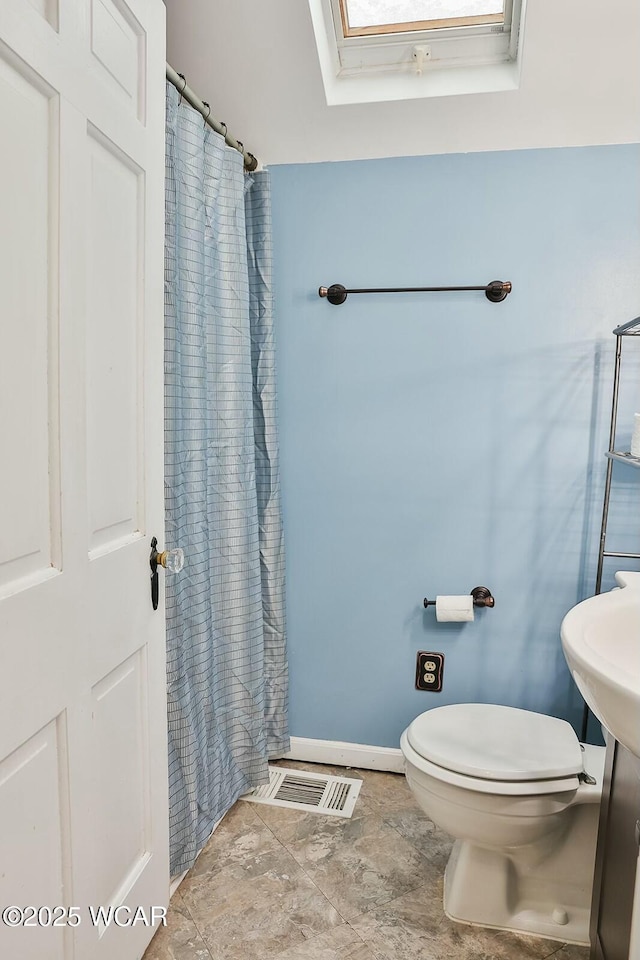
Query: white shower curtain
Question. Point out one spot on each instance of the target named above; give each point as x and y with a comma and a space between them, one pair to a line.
226, 648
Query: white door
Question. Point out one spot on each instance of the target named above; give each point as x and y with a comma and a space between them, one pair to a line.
83, 779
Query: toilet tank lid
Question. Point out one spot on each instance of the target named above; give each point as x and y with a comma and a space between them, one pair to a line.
496, 742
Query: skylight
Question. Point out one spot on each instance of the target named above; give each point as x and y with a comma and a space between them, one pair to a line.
365, 17
400, 49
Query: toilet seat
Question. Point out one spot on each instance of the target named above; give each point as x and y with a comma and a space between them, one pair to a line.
508, 788
495, 749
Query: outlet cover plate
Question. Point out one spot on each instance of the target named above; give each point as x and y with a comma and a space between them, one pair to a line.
429, 671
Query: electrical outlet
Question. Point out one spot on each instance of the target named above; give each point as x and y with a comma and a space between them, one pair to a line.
429, 671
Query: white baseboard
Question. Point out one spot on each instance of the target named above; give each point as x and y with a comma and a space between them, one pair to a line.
336, 753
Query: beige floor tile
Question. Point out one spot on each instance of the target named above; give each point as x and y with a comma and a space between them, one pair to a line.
495, 944
384, 792
414, 926
277, 883
241, 847
356, 863
423, 835
409, 923
260, 917
282, 822
342, 943
180, 939
570, 952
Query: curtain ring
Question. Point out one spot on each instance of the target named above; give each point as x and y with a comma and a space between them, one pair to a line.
240, 146
184, 85
205, 104
223, 124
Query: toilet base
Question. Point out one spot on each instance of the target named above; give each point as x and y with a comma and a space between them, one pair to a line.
502, 890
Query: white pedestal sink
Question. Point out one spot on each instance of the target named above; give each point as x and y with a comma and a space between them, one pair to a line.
601, 644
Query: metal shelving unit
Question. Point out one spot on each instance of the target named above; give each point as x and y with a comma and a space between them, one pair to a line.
629, 329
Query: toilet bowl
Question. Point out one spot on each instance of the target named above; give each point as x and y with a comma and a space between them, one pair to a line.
521, 796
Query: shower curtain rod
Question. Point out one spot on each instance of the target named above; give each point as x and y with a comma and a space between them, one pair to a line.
179, 82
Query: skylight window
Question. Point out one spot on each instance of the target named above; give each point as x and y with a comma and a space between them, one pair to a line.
362, 18
401, 49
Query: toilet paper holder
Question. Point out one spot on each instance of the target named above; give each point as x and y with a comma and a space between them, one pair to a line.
481, 598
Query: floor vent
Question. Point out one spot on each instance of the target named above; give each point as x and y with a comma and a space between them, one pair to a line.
313, 792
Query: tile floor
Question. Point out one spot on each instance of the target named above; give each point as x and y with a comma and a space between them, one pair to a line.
277, 883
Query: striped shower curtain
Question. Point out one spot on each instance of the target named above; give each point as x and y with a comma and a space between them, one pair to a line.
226, 649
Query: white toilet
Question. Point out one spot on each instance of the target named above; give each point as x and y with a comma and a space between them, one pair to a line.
522, 796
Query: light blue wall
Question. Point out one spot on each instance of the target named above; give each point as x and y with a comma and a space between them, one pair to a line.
431, 443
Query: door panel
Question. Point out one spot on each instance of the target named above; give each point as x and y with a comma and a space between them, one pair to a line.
118, 43
113, 369
83, 767
33, 801
47, 9
29, 542
122, 801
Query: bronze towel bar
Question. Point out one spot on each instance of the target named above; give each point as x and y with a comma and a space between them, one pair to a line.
495, 291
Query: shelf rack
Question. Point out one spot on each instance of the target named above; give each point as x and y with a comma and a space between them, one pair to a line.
629, 329
623, 458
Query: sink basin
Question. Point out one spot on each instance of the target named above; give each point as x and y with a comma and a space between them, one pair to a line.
601, 644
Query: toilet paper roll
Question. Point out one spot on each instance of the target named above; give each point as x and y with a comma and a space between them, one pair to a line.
635, 438
454, 609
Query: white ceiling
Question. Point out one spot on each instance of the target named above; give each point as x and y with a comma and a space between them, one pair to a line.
255, 62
